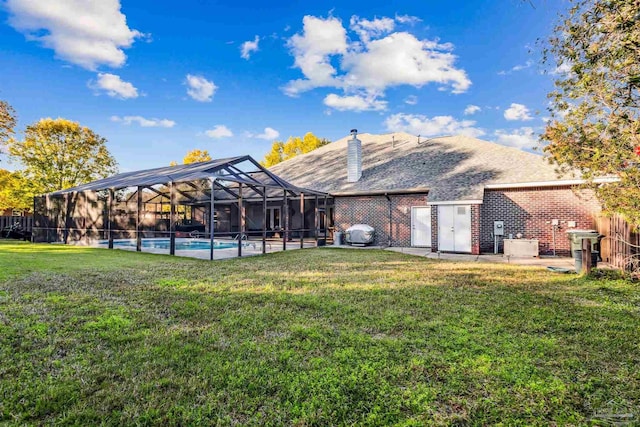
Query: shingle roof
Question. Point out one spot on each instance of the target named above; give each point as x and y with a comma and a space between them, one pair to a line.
450, 168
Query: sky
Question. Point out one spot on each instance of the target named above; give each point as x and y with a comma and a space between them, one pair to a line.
158, 78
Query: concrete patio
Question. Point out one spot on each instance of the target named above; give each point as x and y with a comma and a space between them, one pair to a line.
542, 261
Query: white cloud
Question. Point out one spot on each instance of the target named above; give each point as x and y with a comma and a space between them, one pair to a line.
437, 126
378, 60
522, 138
145, 123
516, 68
354, 103
471, 109
85, 33
411, 100
249, 47
219, 131
564, 68
269, 134
200, 88
408, 19
367, 29
320, 38
517, 112
402, 59
114, 86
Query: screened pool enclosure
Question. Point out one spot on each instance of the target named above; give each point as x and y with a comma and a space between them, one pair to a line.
216, 209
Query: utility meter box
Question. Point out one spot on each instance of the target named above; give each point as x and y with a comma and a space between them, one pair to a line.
498, 228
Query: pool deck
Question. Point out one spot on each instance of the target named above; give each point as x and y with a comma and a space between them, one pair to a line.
253, 248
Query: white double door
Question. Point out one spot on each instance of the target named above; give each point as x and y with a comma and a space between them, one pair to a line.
421, 226
454, 228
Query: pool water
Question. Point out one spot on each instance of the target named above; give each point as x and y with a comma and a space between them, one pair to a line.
181, 244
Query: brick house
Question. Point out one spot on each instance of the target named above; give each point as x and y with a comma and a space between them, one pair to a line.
445, 193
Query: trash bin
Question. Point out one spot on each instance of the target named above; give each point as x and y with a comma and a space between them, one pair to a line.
577, 256
578, 260
576, 236
337, 238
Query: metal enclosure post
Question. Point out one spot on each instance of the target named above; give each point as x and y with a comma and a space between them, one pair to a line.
85, 215
240, 220
47, 208
264, 220
285, 221
67, 204
212, 219
301, 220
139, 221
172, 219
326, 219
33, 224
315, 220
110, 203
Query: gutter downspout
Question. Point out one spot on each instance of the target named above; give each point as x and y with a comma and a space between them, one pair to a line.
390, 218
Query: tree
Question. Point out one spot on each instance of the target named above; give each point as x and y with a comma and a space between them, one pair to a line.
59, 154
595, 107
7, 122
281, 151
194, 156
16, 192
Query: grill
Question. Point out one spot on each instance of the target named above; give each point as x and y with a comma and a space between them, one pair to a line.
360, 234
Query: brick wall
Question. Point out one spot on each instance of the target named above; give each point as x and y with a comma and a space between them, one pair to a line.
434, 228
530, 210
374, 210
475, 229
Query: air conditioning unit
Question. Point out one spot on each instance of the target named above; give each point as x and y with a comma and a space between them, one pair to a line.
521, 247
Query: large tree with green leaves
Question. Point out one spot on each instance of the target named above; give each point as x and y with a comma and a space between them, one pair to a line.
16, 192
59, 154
281, 151
7, 122
595, 51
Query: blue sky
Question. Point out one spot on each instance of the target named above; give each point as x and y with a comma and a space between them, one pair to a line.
158, 78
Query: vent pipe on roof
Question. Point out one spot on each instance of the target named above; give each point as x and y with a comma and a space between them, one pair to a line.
354, 158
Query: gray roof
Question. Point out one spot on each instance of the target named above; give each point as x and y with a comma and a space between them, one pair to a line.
239, 170
450, 168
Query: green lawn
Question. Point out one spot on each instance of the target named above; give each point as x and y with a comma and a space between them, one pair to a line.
310, 337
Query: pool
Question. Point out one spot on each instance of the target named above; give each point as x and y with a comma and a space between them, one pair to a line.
181, 244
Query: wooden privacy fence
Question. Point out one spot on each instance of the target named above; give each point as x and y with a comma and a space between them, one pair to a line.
26, 222
621, 245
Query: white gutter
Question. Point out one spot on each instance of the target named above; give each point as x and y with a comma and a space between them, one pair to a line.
550, 183
456, 202
377, 192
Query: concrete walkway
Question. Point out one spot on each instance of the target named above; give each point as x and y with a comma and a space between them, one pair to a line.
543, 261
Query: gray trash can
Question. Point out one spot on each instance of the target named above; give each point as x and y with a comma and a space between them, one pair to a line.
576, 236
337, 238
577, 256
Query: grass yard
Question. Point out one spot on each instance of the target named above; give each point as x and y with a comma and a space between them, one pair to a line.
310, 337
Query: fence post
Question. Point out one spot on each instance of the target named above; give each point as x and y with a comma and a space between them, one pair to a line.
586, 256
